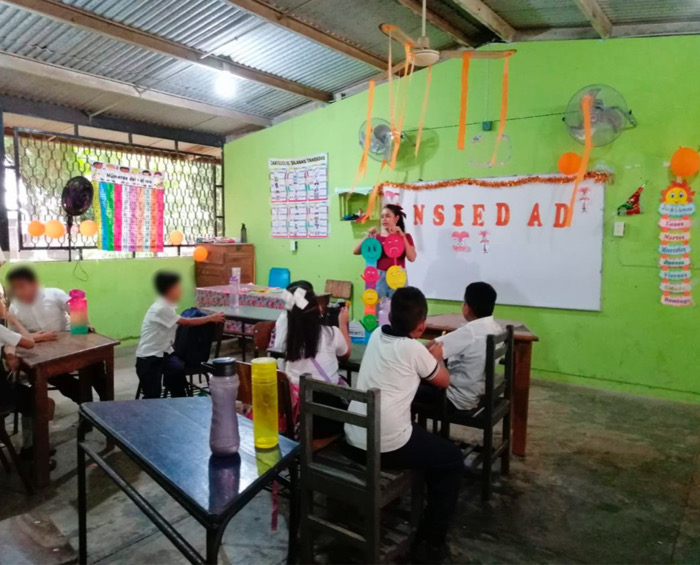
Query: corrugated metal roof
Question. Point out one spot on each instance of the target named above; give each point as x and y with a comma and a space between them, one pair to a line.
638, 11
526, 14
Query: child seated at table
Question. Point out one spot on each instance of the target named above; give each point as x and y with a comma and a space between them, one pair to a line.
313, 348
13, 393
156, 366
395, 362
44, 312
465, 348
280, 340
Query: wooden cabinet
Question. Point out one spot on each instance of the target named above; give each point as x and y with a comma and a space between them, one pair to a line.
216, 270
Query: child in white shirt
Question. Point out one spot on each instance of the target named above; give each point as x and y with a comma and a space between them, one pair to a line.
396, 363
280, 340
155, 362
465, 348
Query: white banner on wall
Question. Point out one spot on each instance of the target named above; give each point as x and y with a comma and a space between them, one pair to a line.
512, 237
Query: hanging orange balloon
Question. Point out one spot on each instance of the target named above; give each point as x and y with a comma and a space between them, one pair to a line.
200, 254
685, 162
35, 228
55, 229
177, 237
569, 163
88, 228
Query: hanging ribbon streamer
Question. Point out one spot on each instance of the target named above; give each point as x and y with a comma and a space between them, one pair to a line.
462, 131
401, 103
586, 103
424, 109
504, 110
372, 201
390, 79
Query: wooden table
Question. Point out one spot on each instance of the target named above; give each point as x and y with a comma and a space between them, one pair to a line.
67, 354
169, 439
246, 314
524, 338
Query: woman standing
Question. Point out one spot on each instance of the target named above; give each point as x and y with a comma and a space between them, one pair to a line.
392, 222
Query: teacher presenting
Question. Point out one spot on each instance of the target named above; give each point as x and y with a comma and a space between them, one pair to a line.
392, 223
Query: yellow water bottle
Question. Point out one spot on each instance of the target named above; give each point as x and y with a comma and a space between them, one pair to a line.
265, 414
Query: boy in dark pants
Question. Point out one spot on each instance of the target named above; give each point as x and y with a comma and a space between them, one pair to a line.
155, 362
396, 363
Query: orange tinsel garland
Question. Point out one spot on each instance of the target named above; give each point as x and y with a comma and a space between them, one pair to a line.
594, 175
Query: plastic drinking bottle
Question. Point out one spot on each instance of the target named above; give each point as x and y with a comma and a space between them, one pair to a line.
265, 414
234, 284
78, 312
223, 435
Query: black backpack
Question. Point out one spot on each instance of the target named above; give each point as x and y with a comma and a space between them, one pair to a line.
193, 343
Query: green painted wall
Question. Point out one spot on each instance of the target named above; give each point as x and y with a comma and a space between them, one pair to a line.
634, 344
119, 291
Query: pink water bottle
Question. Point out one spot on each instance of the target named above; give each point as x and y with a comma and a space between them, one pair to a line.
78, 312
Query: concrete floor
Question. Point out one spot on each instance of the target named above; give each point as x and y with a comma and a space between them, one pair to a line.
609, 478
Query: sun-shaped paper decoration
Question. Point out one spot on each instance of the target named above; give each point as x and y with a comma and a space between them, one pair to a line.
677, 193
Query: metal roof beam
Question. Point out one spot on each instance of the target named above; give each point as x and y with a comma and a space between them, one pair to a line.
55, 113
594, 14
91, 22
439, 22
618, 31
487, 17
61, 74
287, 21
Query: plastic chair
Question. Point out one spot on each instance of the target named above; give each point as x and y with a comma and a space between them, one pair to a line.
279, 277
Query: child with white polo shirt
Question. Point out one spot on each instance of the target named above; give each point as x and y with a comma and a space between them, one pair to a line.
395, 362
155, 362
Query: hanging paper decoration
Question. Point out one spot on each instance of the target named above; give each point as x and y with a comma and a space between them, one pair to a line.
632, 206
685, 162
484, 234
676, 208
371, 251
584, 198
569, 163
586, 106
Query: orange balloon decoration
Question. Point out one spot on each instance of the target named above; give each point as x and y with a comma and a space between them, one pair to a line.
88, 228
685, 162
55, 229
177, 237
200, 254
569, 163
35, 228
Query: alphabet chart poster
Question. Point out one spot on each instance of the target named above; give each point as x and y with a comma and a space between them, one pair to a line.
299, 197
511, 232
129, 208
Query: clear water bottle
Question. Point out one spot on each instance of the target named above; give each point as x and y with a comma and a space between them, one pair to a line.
234, 284
223, 386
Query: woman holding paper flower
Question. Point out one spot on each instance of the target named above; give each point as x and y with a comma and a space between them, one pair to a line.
313, 348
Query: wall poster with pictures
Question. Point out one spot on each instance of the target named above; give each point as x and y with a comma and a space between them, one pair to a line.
299, 197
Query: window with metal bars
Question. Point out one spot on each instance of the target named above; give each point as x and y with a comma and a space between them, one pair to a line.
38, 165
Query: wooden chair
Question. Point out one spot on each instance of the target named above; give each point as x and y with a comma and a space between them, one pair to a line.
494, 408
330, 473
7, 442
262, 334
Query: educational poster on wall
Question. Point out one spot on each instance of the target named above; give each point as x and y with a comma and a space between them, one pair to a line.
129, 208
676, 209
299, 197
511, 232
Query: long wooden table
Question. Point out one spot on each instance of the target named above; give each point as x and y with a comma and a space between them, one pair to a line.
524, 338
67, 354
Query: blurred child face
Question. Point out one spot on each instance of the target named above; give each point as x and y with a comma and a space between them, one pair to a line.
24, 291
389, 219
174, 293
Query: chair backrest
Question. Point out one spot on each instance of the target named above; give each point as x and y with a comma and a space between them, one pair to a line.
279, 277
339, 289
262, 334
369, 473
499, 353
284, 395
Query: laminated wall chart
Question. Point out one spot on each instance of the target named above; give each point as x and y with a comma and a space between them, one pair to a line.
299, 197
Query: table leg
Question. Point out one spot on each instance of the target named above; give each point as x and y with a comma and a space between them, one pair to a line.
41, 429
521, 394
213, 545
109, 375
294, 502
82, 496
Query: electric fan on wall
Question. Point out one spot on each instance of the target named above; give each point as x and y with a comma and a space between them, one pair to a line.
610, 115
381, 144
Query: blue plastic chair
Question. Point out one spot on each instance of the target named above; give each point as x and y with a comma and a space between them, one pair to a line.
279, 277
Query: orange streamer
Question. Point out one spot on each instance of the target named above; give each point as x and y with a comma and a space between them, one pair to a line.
424, 109
401, 103
462, 131
368, 132
504, 110
373, 195
390, 78
586, 103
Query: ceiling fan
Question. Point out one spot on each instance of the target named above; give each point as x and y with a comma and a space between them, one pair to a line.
423, 55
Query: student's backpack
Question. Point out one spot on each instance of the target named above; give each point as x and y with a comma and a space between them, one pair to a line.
193, 343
